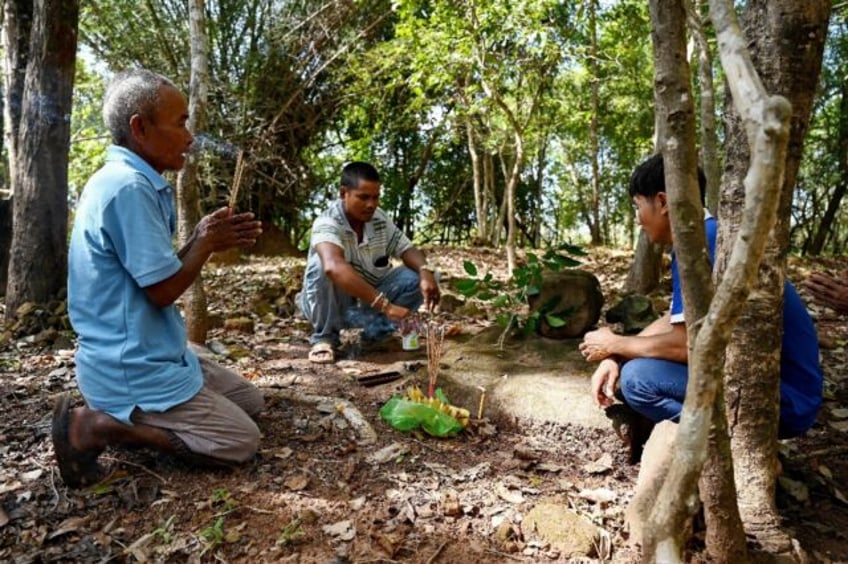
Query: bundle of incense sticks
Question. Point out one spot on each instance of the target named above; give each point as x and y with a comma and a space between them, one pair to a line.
237, 175
435, 338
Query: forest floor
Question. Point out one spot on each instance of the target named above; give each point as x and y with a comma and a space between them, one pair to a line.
315, 494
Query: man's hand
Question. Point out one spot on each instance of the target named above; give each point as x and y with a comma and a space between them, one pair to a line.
604, 381
396, 312
829, 291
598, 345
429, 289
220, 231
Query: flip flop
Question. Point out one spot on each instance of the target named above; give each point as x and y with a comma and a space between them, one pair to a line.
77, 468
322, 353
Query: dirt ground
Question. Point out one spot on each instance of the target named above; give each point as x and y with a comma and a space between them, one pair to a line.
315, 493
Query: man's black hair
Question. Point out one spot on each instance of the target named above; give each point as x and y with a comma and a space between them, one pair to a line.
357, 171
648, 179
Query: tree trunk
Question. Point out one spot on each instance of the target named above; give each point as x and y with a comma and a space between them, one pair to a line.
509, 194
675, 503
644, 275
482, 219
17, 25
767, 124
646, 270
786, 39
820, 238
710, 161
188, 193
595, 223
38, 260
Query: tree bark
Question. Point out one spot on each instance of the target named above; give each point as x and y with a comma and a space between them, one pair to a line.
820, 238
17, 23
595, 222
482, 219
767, 124
17, 26
38, 259
644, 274
786, 40
188, 192
710, 161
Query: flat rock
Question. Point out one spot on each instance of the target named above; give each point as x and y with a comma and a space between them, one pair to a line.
567, 532
531, 378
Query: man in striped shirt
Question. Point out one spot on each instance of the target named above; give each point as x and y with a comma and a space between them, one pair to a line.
349, 279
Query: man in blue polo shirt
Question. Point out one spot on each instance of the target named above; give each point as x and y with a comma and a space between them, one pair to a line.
652, 365
142, 385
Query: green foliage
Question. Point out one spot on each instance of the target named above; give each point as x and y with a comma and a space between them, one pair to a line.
214, 535
509, 299
165, 531
89, 138
290, 533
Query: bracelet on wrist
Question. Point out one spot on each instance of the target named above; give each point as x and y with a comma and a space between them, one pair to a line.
376, 300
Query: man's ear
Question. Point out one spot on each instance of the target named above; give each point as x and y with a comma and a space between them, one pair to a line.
137, 127
662, 199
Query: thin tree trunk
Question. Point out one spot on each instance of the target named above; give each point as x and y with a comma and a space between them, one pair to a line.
482, 219
767, 119
646, 270
510, 201
710, 161
820, 238
786, 39
38, 259
188, 193
17, 25
644, 274
595, 224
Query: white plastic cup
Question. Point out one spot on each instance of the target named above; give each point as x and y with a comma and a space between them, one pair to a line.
410, 342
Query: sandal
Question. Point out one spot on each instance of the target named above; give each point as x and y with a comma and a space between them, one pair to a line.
322, 353
77, 468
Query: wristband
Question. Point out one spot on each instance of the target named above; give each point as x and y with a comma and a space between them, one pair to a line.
426, 267
377, 299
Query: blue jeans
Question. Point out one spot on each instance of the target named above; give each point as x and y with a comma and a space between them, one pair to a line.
654, 388
330, 310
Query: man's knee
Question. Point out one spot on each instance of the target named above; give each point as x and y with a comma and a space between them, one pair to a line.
254, 402
630, 381
238, 446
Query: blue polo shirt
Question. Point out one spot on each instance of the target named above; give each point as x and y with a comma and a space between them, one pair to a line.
801, 377
132, 353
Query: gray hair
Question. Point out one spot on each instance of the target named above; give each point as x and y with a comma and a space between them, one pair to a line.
130, 92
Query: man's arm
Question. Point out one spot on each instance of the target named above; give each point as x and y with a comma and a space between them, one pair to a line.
215, 232
661, 339
413, 258
345, 278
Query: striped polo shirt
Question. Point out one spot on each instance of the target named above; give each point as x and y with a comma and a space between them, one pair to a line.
381, 239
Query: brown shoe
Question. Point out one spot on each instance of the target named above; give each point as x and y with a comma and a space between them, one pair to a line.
77, 468
632, 428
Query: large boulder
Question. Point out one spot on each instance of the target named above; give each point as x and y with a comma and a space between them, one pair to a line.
572, 295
